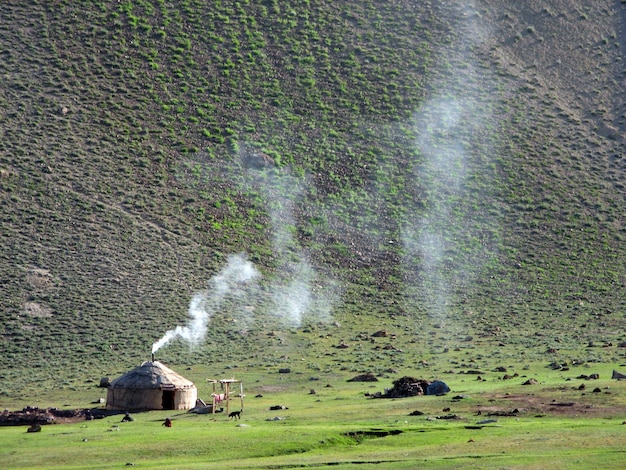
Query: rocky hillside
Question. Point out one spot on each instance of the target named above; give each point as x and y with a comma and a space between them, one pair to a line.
432, 161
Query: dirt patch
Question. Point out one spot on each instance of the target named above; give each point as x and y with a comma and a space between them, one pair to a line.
522, 404
40, 278
35, 310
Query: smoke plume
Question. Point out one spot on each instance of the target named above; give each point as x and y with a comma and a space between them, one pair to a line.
298, 291
439, 240
232, 280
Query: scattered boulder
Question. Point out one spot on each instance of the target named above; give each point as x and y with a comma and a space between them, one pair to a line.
531, 382
437, 388
257, 160
105, 382
504, 413
36, 427
589, 377
368, 377
487, 421
284, 370
449, 416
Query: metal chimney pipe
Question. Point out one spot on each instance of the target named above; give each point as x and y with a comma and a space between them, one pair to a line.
152, 357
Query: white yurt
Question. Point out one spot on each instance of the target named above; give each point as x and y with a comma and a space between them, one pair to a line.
151, 386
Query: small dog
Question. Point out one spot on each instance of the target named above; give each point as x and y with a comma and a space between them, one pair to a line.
235, 414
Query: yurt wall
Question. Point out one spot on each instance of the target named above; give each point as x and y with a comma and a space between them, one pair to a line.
151, 399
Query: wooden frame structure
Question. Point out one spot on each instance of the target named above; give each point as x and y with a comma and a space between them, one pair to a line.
226, 386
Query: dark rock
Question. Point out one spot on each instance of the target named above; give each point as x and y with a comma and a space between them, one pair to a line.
257, 160
368, 377
437, 388
105, 382
34, 428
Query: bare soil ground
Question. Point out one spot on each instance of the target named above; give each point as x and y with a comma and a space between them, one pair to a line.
541, 405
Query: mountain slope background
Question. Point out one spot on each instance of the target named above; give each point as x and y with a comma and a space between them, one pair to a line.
445, 169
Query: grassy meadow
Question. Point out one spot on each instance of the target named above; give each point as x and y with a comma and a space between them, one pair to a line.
330, 421
556, 425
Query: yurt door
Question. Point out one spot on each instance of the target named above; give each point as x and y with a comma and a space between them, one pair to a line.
168, 399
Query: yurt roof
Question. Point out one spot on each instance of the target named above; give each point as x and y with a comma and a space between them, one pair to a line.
152, 374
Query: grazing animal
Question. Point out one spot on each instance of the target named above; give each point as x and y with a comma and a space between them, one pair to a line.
235, 414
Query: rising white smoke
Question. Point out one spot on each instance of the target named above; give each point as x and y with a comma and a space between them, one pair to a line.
230, 281
196, 328
299, 291
445, 124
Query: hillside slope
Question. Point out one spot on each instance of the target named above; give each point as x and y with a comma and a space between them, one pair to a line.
436, 163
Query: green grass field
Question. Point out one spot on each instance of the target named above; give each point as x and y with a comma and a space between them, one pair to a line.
556, 425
